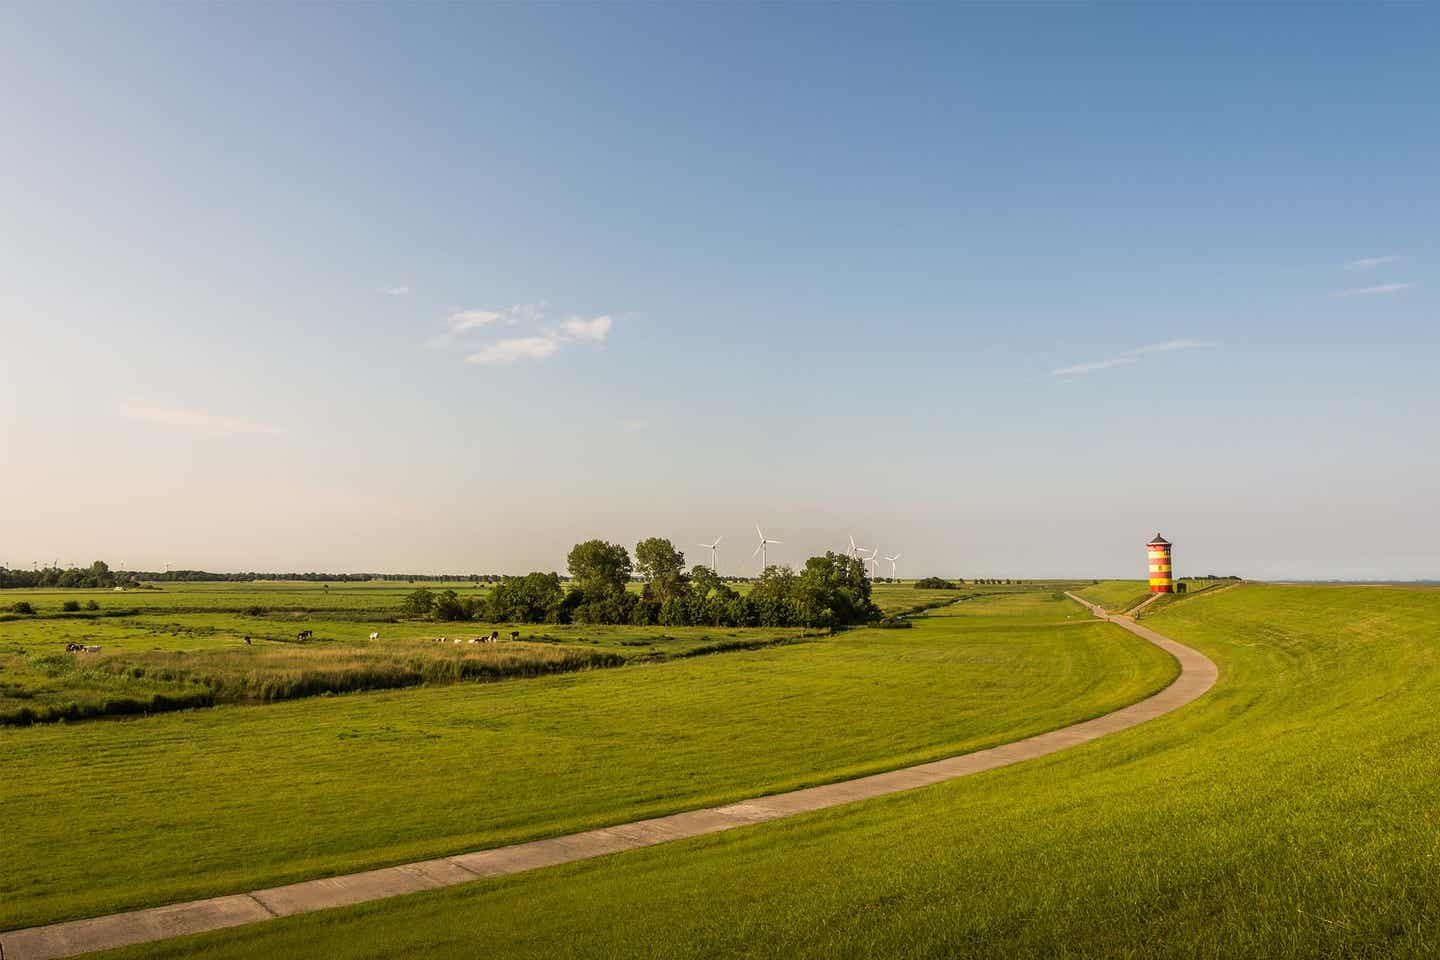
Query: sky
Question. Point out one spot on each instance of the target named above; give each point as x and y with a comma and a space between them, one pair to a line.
1001, 289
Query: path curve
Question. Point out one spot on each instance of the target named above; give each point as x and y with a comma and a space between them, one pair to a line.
1197, 675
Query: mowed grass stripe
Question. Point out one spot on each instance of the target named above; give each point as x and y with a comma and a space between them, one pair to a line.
187, 805
1291, 813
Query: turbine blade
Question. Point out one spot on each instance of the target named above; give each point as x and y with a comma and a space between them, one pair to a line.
757, 551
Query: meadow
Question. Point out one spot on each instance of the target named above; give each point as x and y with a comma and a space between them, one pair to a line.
109, 815
185, 645
1292, 812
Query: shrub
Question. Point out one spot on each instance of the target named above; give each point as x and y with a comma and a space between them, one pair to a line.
23, 606
92, 605
70, 606
934, 583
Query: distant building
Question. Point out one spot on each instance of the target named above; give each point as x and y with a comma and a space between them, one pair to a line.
1161, 580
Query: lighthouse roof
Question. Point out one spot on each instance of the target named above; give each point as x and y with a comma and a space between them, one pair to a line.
1158, 541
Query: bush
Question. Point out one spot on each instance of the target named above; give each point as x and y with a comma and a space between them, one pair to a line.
92, 605
70, 606
23, 606
934, 583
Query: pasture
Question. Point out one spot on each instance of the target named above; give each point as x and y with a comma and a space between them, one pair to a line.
108, 815
1289, 813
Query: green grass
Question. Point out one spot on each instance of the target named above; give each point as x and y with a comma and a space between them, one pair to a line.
106, 816
163, 661
1116, 596
1293, 812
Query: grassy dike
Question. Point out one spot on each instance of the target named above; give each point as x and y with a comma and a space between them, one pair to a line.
1292, 812
112, 815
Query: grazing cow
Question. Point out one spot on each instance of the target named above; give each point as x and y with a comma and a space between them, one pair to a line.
514, 634
375, 635
457, 640
92, 649
247, 641
304, 635
74, 647
494, 635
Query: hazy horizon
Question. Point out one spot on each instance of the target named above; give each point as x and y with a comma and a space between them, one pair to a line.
1004, 289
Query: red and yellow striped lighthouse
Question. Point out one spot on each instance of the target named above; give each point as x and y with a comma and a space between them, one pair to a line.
1160, 578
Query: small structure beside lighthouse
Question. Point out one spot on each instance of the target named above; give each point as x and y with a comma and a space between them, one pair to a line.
1161, 580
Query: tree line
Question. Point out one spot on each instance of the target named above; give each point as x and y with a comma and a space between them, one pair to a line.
830, 591
99, 575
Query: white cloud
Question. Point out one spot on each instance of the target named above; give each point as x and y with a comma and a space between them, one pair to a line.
547, 342
394, 291
516, 348
1168, 346
1093, 366
130, 409
1369, 263
1378, 288
462, 320
591, 331
1126, 358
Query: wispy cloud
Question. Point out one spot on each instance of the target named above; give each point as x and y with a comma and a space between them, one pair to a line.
1168, 346
591, 331
394, 291
1094, 365
548, 341
128, 408
1128, 357
1370, 263
462, 320
516, 348
1378, 288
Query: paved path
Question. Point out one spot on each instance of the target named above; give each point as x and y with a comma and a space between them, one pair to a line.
1197, 675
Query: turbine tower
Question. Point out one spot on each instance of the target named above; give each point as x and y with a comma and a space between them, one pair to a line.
874, 562
892, 566
760, 550
714, 566
851, 552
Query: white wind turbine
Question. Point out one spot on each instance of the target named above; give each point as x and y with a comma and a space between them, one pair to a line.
760, 550
892, 565
851, 552
714, 567
874, 553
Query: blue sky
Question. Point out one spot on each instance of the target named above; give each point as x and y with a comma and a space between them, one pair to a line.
1003, 288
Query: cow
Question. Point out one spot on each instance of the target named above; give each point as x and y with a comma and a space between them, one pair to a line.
304, 635
92, 649
247, 641
375, 635
514, 634
74, 647
494, 636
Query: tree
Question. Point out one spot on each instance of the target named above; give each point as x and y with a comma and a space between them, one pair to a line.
659, 562
599, 568
449, 606
418, 603
534, 598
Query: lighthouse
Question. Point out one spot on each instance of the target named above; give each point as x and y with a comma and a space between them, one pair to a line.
1160, 579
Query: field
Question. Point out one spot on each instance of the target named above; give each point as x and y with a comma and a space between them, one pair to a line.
111, 814
1292, 812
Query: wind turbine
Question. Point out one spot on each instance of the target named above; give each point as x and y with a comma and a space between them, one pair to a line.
761, 548
892, 566
874, 552
714, 567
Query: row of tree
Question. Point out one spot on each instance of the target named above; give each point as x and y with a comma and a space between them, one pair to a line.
97, 575
831, 591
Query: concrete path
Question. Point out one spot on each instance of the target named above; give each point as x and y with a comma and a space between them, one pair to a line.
1197, 675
